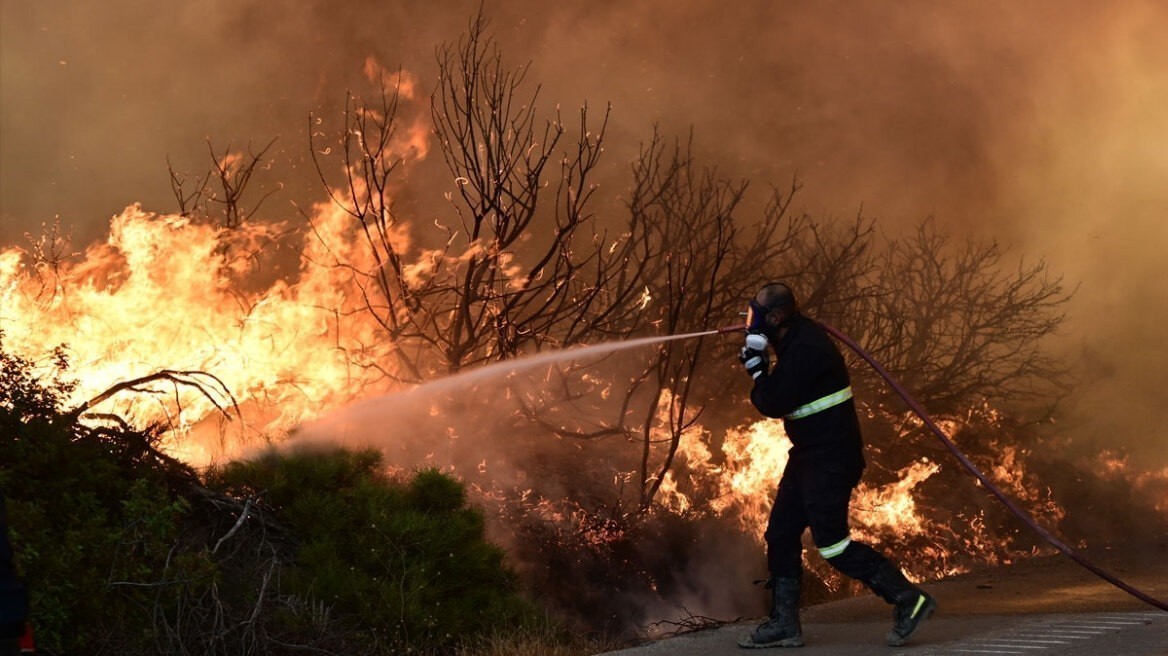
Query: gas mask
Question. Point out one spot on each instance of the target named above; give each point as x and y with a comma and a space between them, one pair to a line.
784, 304
756, 317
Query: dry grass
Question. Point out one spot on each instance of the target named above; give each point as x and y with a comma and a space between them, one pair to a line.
539, 643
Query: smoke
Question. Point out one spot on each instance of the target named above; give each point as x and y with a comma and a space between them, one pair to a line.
1084, 187
909, 111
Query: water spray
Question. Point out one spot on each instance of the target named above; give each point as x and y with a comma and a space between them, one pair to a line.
916, 407
364, 412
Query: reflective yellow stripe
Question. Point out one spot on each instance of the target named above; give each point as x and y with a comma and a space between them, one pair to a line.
917, 609
835, 549
819, 405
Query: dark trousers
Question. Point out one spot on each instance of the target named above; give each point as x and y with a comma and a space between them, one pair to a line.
814, 493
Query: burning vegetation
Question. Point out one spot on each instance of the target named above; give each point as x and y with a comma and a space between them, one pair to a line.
642, 479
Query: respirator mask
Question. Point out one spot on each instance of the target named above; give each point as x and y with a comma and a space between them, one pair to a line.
756, 326
756, 315
782, 302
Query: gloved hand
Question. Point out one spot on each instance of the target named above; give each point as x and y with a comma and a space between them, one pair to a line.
754, 356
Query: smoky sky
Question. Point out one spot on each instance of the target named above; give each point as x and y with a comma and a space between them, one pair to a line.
1040, 124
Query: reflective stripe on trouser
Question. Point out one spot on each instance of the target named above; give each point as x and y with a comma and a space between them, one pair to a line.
821, 404
835, 549
853, 559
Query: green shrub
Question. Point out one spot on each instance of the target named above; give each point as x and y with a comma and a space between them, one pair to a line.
406, 563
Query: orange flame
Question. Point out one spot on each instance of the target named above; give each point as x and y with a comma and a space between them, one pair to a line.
754, 458
159, 294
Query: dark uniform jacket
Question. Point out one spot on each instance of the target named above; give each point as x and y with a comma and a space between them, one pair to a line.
809, 366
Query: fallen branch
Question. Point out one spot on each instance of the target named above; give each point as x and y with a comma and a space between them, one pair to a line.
689, 624
234, 529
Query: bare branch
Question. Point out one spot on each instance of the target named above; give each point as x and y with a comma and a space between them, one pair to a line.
235, 529
207, 385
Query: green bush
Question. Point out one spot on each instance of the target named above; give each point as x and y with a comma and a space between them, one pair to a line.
406, 562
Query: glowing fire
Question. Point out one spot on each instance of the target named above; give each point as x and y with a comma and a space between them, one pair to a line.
893, 507
1146, 484
159, 293
739, 479
754, 459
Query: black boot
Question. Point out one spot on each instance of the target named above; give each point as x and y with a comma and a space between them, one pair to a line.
782, 629
911, 603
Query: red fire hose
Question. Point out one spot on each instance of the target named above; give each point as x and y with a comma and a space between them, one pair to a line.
972, 469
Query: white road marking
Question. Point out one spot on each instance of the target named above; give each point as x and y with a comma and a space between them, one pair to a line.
984, 651
1051, 636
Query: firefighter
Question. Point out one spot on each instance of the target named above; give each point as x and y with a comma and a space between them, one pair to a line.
808, 387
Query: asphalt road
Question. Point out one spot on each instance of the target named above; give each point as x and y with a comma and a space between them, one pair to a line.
1045, 606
